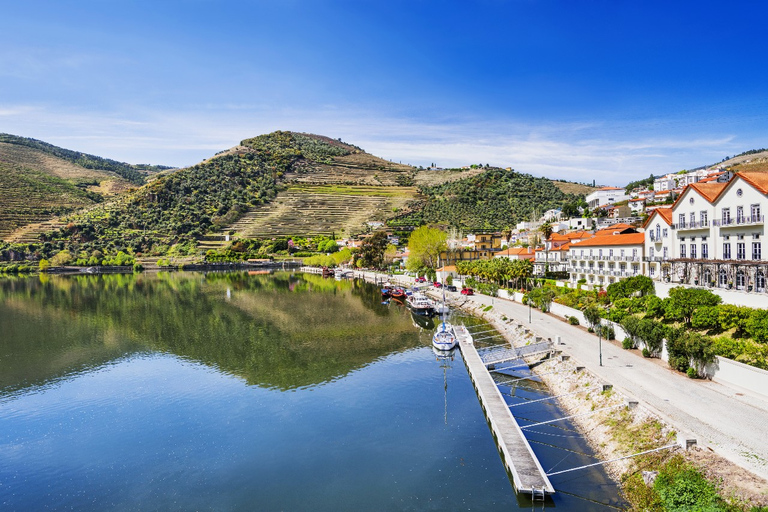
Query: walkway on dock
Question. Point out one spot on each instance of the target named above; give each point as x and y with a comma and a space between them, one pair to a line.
528, 476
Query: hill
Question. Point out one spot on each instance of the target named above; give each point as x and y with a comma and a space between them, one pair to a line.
287, 183
28, 196
39, 181
496, 199
133, 173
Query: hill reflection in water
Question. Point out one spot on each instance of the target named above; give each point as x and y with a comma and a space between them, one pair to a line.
281, 331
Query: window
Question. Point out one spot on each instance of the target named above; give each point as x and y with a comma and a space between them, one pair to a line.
652, 270
650, 252
658, 232
682, 250
741, 280
681, 220
757, 250
610, 253
634, 253
693, 219
726, 216
693, 251
726, 250
704, 250
754, 211
666, 232
739, 215
600, 253
722, 277
666, 252
622, 253
741, 251
760, 281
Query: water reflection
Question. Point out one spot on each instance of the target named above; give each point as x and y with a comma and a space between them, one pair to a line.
272, 331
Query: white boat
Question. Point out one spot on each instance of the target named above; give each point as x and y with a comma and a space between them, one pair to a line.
444, 339
421, 304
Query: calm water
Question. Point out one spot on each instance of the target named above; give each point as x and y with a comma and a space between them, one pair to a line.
244, 392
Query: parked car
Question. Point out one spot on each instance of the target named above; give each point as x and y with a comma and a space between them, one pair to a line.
421, 279
451, 288
467, 291
438, 284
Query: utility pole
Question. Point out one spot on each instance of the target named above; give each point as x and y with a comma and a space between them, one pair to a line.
600, 340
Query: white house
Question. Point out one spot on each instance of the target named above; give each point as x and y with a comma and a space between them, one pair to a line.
606, 196
718, 231
607, 258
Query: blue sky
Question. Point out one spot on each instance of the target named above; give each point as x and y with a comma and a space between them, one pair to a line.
608, 90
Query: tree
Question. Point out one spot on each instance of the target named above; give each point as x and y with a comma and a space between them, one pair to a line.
592, 315
61, 258
372, 249
425, 246
389, 254
683, 302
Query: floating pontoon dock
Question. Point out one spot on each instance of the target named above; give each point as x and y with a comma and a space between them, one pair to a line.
528, 477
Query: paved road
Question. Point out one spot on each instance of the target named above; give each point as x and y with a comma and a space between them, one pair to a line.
732, 423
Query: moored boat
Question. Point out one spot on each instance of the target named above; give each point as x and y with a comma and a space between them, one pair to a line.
421, 304
397, 293
444, 339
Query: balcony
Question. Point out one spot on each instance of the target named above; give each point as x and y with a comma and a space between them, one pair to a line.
685, 226
740, 221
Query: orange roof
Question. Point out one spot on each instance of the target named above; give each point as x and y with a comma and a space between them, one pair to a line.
515, 251
612, 229
610, 188
664, 212
758, 179
563, 247
448, 268
627, 239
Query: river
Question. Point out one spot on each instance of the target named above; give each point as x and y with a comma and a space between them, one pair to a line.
230, 391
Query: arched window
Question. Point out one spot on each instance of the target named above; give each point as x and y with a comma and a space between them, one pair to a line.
760, 281
722, 277
707, 276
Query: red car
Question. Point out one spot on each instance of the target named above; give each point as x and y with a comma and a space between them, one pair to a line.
437, 284
421, 279
467, 291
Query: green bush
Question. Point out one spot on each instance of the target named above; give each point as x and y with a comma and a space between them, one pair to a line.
573, 320
682, 487
706, 318
627, 343
756, 325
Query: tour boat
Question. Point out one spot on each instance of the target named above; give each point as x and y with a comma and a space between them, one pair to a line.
421, 304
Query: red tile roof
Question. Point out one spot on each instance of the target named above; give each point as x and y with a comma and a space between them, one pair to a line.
626, 239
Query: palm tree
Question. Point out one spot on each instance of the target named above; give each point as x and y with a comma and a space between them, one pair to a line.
546, 232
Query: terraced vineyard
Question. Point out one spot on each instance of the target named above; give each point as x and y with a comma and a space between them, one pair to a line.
322, 209
354, 169
28, 197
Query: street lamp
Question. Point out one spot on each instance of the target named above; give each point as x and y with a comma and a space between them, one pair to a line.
529, 310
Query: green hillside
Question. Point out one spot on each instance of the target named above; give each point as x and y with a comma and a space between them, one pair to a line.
28, 196
496, 199
132, 173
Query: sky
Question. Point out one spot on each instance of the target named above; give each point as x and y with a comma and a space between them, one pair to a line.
581, 90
